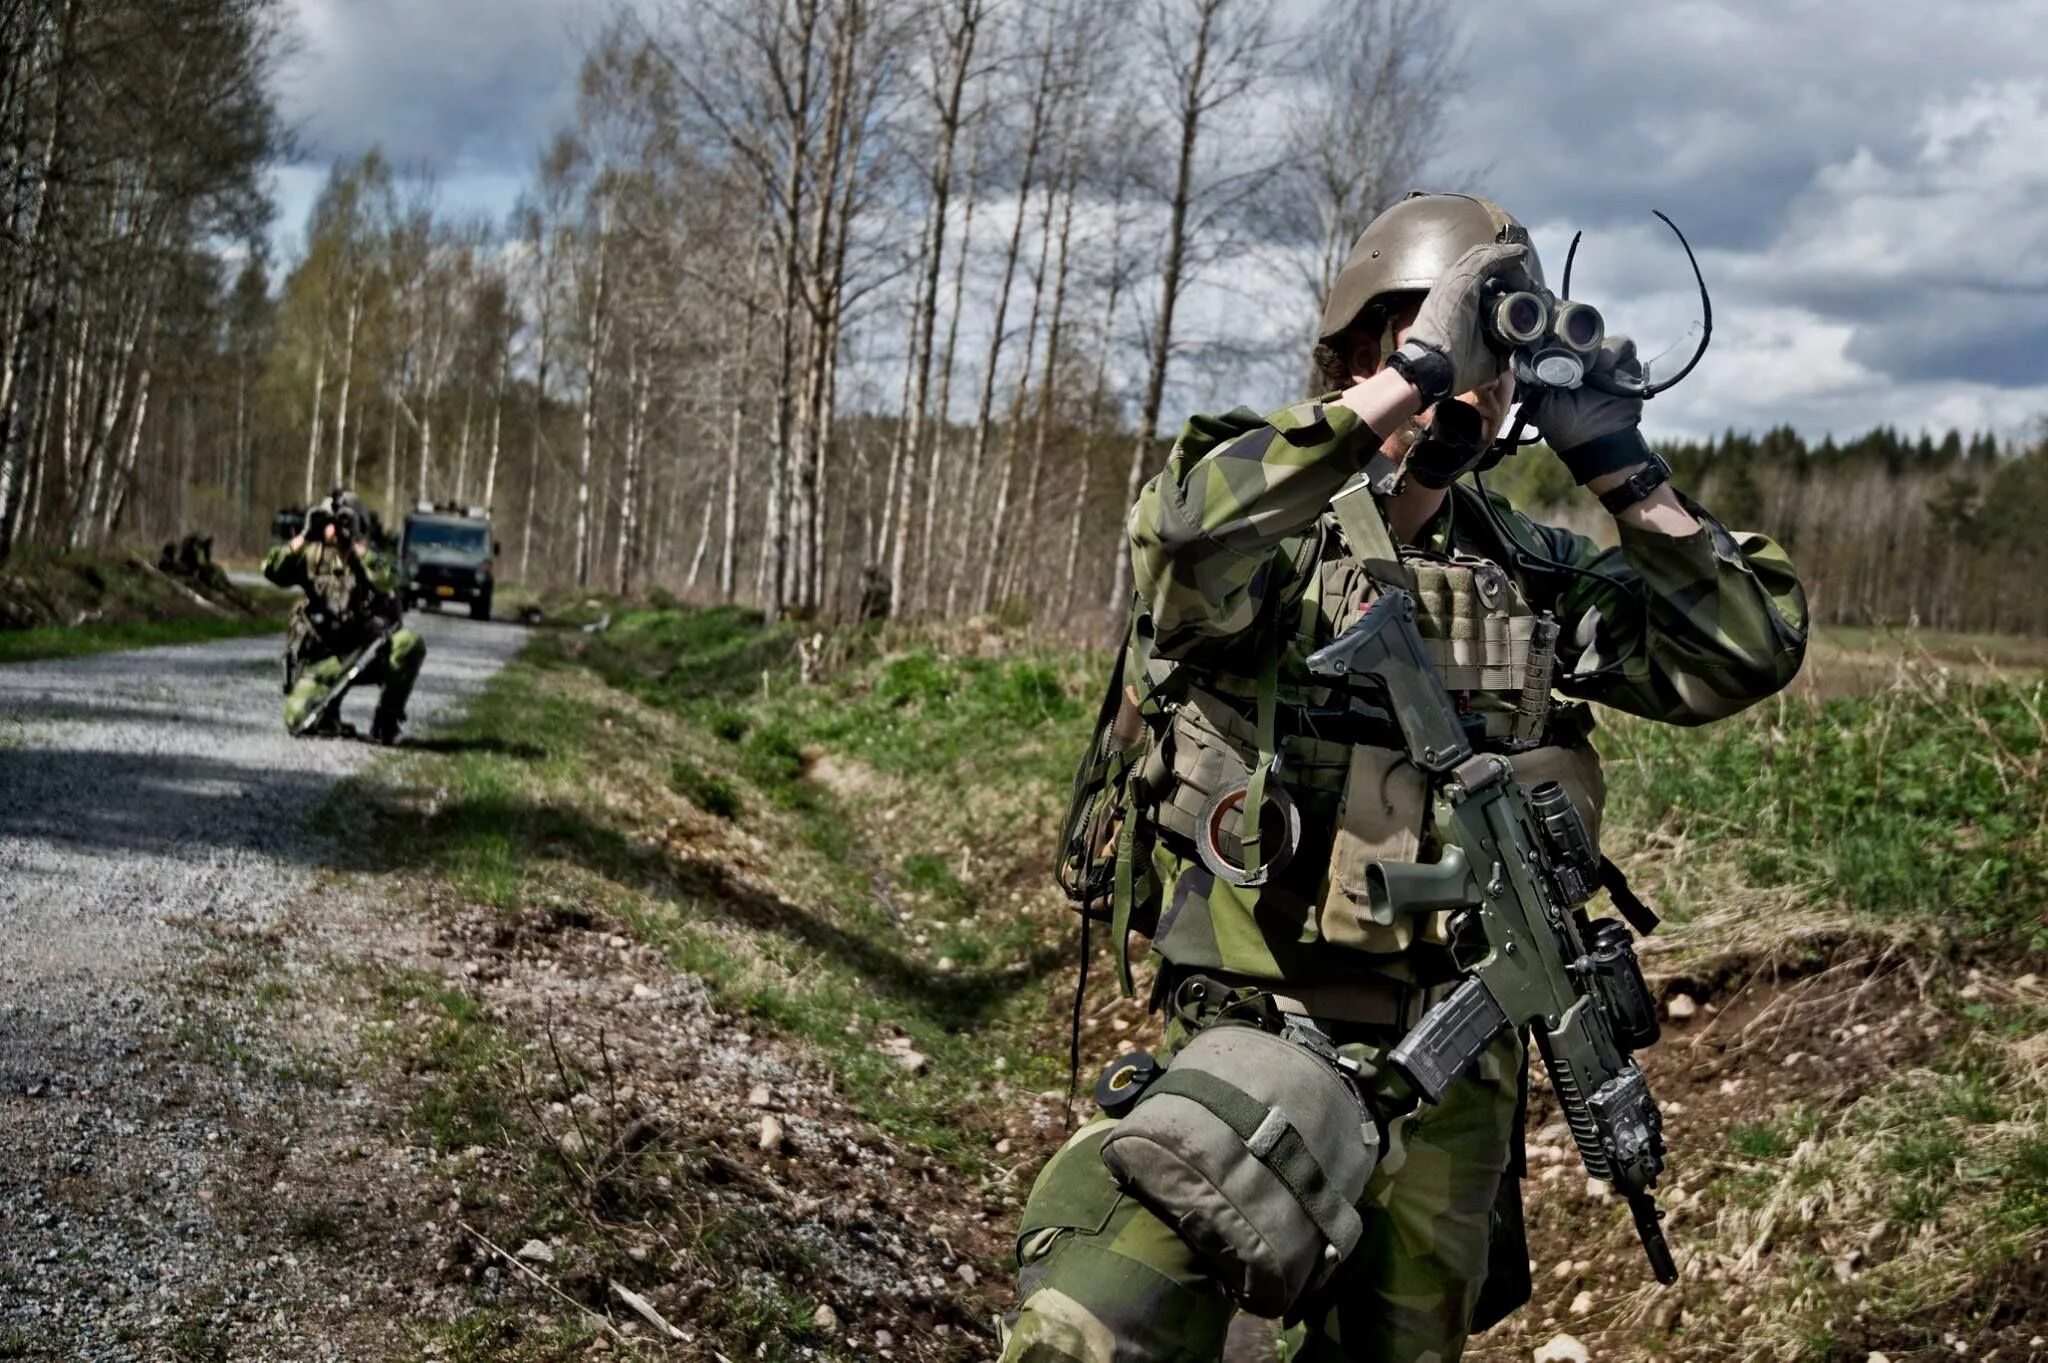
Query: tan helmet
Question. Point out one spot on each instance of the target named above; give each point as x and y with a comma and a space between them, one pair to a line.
1407, 247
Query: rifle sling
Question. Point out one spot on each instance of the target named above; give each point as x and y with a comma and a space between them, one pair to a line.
1640, 916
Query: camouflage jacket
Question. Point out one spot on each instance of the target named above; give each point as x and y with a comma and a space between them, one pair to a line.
1235, 534
342, 608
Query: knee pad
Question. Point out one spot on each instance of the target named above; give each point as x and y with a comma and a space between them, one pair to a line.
407, 649
304, 698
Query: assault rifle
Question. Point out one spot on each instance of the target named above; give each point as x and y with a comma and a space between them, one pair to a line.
1519, 866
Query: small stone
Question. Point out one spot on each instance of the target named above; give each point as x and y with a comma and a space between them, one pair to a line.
1003, 1146
900, 1050
1563, 1269
536, 1252
1563, 1349
1001, 1063
826, 1320
643, 992
1730, 1087
884, 1340
616, 942
772, 1135
1598, 1190
1582, 1304
945, 965
1680, 1007
760, 1095
968, 1275
573, 1146
1875, 1357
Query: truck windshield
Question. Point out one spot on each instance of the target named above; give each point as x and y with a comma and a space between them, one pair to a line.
447, 536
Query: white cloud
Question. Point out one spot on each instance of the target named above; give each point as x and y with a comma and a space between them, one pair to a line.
1868, 190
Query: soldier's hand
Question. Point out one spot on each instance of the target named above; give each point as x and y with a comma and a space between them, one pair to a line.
1446, 351
298, 544
1591, 431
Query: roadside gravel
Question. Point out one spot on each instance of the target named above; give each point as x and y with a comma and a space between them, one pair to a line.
150, 803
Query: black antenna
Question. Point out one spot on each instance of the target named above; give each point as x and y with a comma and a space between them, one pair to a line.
1651, 390
1565, 289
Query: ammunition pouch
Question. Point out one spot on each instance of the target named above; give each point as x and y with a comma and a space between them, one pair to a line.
1256, 1150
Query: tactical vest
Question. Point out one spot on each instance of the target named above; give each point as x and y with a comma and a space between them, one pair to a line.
1341, 763
335, 616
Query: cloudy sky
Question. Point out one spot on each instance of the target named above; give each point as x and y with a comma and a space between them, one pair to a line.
1868, 190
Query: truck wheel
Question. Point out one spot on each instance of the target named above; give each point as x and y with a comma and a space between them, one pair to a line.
480, 609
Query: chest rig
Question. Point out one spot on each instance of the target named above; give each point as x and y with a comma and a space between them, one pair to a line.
334, 618
1327, 771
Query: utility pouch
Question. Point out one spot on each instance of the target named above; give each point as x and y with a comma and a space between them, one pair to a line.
1097, 832
1256, 1150
1385, 802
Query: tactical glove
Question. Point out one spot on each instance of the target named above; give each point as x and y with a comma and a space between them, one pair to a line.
1594, 433
1446, 350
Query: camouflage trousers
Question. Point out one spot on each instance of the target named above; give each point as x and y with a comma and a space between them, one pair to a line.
1100, 1278
395, 673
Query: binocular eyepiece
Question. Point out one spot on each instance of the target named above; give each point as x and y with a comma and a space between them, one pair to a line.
324, 514
1552, 341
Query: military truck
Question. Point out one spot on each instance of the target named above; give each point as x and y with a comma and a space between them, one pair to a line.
445, 556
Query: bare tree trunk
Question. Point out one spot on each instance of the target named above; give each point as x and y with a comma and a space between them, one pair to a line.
313, 426
992, 551
1026, 541
941, 470
924, 322
392, 455
728, 549
1095, 413
639, 386
1192, 106
703, 547
462, 446
795, 113
497, 425
965, 512
593, 359
348, 370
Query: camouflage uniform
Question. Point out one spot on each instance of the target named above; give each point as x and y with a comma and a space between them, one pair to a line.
349, 603
1237, 555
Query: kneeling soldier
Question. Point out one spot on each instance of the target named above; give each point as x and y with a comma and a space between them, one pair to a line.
349, 608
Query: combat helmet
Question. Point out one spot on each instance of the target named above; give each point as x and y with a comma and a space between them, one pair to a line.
1407, 247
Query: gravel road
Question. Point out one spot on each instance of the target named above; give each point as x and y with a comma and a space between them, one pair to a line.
148, 801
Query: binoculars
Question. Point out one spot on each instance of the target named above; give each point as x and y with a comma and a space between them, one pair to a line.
324, 515
1552, 341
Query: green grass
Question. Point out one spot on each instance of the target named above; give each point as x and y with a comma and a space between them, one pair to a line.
1927, 805
70, 641
579, 783
705, 705
457, 1057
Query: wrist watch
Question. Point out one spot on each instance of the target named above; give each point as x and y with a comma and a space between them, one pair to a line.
1638, 485
1427, 369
